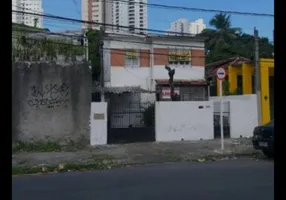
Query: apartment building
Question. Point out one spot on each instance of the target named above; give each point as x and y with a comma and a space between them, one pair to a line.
185, 27
197, 26
180, 26
127, 14
139, 61
33, 6
96, 11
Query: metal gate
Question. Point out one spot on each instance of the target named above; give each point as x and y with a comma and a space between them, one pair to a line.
226, 119
131, 121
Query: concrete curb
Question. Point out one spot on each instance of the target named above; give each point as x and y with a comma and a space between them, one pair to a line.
117, 163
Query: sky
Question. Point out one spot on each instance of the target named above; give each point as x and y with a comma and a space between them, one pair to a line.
160, 19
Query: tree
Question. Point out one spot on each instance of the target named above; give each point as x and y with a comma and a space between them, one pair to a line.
221, 38
171, 73
93, 53
225, 41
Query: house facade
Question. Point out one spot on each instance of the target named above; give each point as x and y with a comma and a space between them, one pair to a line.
135, 76
240, 80
139, 61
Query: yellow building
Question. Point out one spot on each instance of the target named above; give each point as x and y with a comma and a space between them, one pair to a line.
243, 69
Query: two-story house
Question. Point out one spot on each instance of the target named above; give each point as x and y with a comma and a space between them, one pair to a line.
135, 75
139, 61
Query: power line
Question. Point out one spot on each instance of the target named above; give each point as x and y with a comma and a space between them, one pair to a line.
76, 6
192, 9
164, 6
123, 51
23, 8
117, 51
106, 39
99, 24
41, 33
80, 36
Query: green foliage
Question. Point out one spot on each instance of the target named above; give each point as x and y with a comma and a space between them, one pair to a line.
31, 48
36, 147
93, 47
225, 41
225, 88
149, 115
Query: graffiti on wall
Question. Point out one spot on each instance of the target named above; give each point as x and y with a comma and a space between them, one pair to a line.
49, 95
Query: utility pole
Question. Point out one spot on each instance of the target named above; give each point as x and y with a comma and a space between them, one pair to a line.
257, 76
101, 44
86, 45
104, 14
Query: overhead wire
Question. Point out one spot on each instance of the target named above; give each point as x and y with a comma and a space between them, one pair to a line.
192, 9
64, 19
123, 51
80, 36
102, 24
165, 6
99, 24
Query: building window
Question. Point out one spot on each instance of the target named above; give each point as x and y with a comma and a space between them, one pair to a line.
131, 58
180, 57
193, 93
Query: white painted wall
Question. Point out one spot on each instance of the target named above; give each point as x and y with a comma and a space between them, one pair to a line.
98, 127
184, 120
127, 76
243, 114
124, 76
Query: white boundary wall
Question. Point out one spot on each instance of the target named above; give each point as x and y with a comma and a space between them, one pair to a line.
98, 123
184, 120
243, 114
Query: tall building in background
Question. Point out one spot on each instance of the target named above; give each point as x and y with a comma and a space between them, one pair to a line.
93, 10
179, 26
132, 14
183, 26
197, 26
33, 6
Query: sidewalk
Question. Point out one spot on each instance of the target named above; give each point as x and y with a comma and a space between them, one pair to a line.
139, 153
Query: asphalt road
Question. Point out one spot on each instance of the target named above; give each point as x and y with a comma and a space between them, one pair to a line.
224, 180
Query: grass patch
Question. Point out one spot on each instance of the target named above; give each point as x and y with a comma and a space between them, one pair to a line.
36, 147
62, 167
104, 162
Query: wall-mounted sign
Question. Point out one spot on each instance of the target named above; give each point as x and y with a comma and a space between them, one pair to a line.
166, 92
98, 116
131, 53
180, 56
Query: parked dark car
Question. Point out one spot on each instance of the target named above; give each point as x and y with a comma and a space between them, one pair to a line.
263, 138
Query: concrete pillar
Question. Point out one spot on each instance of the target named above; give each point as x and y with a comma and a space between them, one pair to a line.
247, 78
232, 78
265, 99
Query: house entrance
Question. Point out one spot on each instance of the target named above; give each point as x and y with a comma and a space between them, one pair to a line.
226, 119
129, 119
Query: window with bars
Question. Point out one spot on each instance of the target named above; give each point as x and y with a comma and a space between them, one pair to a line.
179, 57
132, 58
193, 93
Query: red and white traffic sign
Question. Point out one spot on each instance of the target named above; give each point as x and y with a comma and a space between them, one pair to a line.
221, 73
